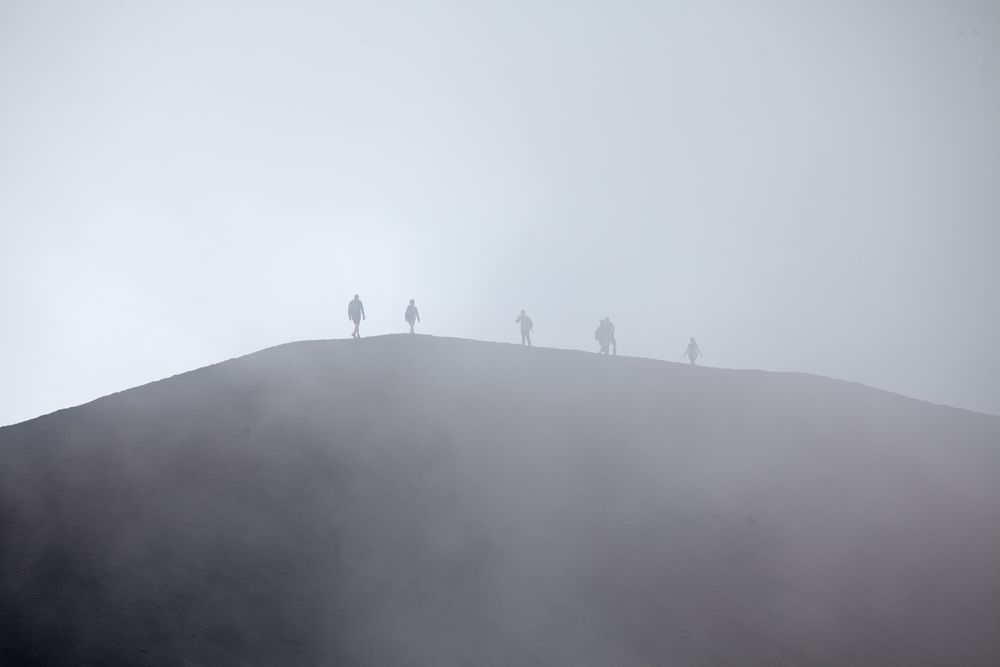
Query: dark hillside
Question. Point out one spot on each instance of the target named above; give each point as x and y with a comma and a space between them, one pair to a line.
408, 500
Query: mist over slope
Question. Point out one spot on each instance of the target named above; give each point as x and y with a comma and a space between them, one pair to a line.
424, 501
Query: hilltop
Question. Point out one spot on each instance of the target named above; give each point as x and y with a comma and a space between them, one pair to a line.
410, 500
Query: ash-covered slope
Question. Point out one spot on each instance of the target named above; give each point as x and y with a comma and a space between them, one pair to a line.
408, 500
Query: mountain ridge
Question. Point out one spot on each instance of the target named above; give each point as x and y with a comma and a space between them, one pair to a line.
654, 360
429, 501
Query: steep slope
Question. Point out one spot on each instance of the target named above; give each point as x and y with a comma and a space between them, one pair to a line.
408, 500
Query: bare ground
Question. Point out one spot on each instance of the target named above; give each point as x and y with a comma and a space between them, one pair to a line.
408, 500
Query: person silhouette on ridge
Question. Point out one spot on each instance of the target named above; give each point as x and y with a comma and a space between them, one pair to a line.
412, 314
526, 325
605, 335
693, 351
356, 313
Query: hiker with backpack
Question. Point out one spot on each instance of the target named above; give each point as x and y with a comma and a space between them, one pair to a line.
412, 314
605, 336
526, 325
693, 351
356, 313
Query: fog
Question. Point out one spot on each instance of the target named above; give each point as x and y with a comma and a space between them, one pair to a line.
429, 501
805, 186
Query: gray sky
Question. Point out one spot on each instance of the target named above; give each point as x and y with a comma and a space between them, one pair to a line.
803, 186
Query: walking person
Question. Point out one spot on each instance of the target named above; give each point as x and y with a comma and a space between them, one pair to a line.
603, 336
412, 314
526, 326
693, 351
356, 313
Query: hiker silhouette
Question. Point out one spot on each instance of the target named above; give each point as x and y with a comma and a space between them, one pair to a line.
526, 325
693, 351
356, 313
605, 335
412, 314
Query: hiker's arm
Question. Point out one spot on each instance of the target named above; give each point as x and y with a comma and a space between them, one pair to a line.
418, 316
363, 316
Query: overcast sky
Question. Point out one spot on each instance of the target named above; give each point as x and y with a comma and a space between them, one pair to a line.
803, 186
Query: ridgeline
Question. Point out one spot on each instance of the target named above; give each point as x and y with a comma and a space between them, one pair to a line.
410, 500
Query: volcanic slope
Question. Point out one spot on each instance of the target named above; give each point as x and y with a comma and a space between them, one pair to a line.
410, 500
